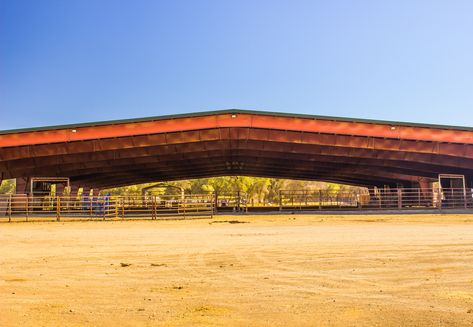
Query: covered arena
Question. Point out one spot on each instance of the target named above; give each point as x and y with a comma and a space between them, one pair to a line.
379, 155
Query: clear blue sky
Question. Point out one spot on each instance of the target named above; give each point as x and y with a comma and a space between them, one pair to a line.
87, 60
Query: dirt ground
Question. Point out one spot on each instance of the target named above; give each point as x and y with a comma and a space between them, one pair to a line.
292, 270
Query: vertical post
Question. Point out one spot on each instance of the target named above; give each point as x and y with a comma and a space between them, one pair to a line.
22, 185
58, 208
9, 208
464, 194
184, 207
439, 202
320, 199
216, 201
155, 214
102, 208
122, 203
152, 207
210, 202
90, 204
116, 208
453, 201
60, 189
239, 201
280, 200
380, 200
27, 207
399, 198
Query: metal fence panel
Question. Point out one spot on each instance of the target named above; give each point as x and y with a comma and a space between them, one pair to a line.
23, 207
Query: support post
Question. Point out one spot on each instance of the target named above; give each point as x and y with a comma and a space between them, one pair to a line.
91, 202
280, 200
380, 195
399, 198
439, 192
123, 207
9, 207
211, 209
320, 199
59, 189
58, 208
155, 208
74, 190
116, 208
22, 185
184, 208
27, 205
239, 201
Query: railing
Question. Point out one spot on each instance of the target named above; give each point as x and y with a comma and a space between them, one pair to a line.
397, 198
320, 199
22, 207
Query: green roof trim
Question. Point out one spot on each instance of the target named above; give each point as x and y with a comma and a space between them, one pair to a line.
232, 111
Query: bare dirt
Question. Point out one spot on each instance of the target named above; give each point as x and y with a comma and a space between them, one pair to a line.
298, 270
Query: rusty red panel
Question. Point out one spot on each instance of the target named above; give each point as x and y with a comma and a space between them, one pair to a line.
240, 120
210, 134
283, 136
453, 149
144, 140
190, 136
363, 129
258, 134
413, 146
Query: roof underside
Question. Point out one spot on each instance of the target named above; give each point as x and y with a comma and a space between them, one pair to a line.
235, 142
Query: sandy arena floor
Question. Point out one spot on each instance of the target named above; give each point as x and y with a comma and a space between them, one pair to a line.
298, 270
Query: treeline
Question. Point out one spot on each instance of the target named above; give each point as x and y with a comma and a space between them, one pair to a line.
257, 189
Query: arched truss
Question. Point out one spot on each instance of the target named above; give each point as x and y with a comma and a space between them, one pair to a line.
238, 142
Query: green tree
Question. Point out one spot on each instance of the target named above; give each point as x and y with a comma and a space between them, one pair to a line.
8, 186
257, 189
